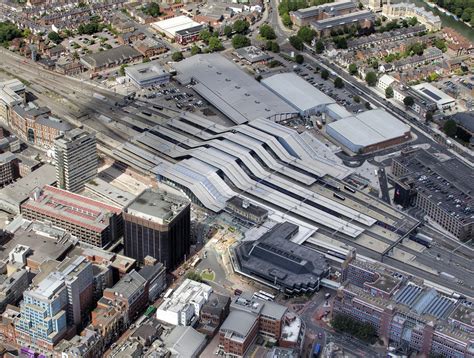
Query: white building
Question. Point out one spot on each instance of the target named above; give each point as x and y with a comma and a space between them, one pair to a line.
183, 307
443, 101
385, 81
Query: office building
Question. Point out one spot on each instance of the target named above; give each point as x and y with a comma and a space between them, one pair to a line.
274, 258
213, 313
442, 100
303, 17
75, 153
155, 275
442, 189
89, 220
8, 171
184, 305
12, 285
326, 26
55, 304
157, 224
405, 312
130, 294
147, 74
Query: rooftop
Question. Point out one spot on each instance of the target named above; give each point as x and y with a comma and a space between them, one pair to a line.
450, 183
343, 19
252, 54
157, 205
145, 71
239, 323
102, 190
433, 93
78, 209
328, 7
370, 127
239, 202
385, 283
185, 341
227, 87
277, 259
464, 313
128, 285
175, 24
296, 91
114, 55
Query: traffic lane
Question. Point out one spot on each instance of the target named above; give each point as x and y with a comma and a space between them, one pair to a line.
384, 185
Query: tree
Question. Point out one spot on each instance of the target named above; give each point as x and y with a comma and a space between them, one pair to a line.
353, 69
306, 34
177, 56
215, 44
205, 35
429, 116
388, 92
371, 78
412, 21
340, 42
408, 101
299, 59
8, 32
239, 41
319, 46
324, 74
267, 32
275, 47
241, 26
367, 105
338, 82
361, 330
356, 99
450, 128
54, 36
75, 55
152, 9
121, 70
195, 50
193, 275
286, 19
228, 31
296, 42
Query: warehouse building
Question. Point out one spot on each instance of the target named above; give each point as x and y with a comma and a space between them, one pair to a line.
233, 92
182, 29
147, 74
369, 131
298, 93
111, 58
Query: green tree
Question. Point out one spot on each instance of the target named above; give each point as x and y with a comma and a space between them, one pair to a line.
340, 42
371, 78
205, 35
296, 42
228, 31
356, 99
193, 275
8, 32
195, 50
267, 32
241, 26
299, 59
353, 69
177, 56
306, 34
389, 92
441, 44
121, 70
338, 82
152, 9
215, 44
367, 105
450, 128
54, 36
319, 46
408, 101
429, 116
239, 41
75, 55
412, 21
275, 47
286, 19
324, 74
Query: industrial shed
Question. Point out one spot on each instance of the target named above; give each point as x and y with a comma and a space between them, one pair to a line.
369, 131
298, 93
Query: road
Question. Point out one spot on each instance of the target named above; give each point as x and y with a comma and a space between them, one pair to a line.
384, 185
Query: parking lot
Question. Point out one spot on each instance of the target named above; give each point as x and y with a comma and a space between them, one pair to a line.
85, 44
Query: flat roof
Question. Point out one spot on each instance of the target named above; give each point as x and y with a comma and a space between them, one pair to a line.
157, 205
239, 322
436, 95
145, 71
232, 91
369, 128
342, 19
175, 24
296, 91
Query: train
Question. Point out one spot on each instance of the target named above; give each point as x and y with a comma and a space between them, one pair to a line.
422, 239
348, 188
339, 196
269, 295
336, 254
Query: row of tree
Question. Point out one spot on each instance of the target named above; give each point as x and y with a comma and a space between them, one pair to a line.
362, 330
8, 32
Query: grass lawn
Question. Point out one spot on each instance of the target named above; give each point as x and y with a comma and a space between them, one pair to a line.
208, 275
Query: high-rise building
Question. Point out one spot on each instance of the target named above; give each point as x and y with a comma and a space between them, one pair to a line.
157, 224
76, 159
55, 305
